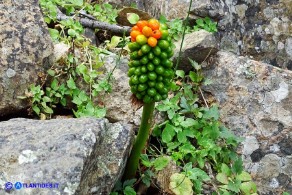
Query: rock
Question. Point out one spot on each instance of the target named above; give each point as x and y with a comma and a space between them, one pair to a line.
118, 102
261, 29
198, 46
82, 156
25, 49
255, 102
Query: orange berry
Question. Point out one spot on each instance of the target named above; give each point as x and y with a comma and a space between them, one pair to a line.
147, 31
157, 34
153, 24
135, 28
135, 33
141, 24
152, 42
133, 39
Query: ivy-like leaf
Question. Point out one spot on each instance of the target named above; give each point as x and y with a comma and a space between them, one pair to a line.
168, 133
161, 162
180, 184
133, 18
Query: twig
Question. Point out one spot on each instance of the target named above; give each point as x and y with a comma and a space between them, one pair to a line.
203, 97
90, 23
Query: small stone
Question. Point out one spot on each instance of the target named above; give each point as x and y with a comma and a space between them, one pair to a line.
10, 73
274, 183
250, 144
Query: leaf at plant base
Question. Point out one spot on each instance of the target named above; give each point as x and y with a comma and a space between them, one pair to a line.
181, 137
54, 34
115, 40
198, 174
222, 178
129, 191
129, 182
72, 33
180, 184
248, 187
225, 169
180, 73
189, 122
237, 166
71, 83
234, 186
161, 162
145, 160
133, 18
36, 109
244, 176
168, 133
146, 177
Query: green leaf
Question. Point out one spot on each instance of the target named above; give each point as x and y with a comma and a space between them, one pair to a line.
225, 169
145, 160
249, 187
133, 18
51, 72
200, 22
162, 19
195, 64
162, 107
72, 33
71, 83
189, 122
237, 166
244, 176
54, 34
168, 133
222, 178
46, 99
129, 191
54, 84
180, 73
197, 174
234, 186
146, 177
180, 184
213, 112
161, 162
181, 137
82, 69
115, 40
36, 109
129, 182
48, 110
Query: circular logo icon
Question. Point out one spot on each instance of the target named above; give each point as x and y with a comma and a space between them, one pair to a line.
8, 186
18, 185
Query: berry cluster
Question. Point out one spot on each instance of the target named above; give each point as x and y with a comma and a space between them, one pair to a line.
151, 69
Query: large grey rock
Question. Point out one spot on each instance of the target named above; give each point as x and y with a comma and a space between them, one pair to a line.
197, 46
25, 50
82, 156
256, 103
261, 29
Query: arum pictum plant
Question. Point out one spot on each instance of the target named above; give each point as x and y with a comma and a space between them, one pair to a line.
151, 72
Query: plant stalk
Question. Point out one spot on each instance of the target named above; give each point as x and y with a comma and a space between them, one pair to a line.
140, 142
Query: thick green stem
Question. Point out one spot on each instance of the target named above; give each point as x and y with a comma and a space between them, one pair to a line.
140, 142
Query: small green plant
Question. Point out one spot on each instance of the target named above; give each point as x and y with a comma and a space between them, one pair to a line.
234, 180
125, 188
193, 133
76, 80
176, 26
206, 24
